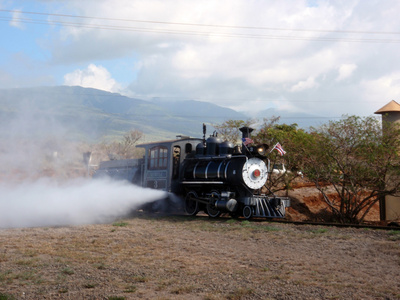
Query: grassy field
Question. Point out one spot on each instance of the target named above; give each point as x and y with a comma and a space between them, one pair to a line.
198, 258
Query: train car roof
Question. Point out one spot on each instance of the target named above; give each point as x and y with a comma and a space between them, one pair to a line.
182, 139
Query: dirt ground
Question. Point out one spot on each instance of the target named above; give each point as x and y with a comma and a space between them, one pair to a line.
176, 257
308, 205
179, 257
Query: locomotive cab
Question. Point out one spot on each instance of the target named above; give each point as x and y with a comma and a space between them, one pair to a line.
163, 160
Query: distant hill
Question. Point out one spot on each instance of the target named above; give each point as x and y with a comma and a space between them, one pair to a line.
303, 120
90, 114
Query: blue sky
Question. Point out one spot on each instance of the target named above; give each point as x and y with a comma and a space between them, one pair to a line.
327, 58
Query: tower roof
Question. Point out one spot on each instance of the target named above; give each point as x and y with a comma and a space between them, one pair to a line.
392, 106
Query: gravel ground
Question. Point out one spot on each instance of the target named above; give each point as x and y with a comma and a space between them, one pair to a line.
198, 258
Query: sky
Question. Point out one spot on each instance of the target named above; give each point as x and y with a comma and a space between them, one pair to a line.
327, 58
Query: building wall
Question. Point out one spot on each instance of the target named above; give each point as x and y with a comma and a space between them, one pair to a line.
392, 208
393, 117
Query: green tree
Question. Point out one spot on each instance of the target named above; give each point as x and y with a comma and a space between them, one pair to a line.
355, 158
229, 130
124, 149
271, 133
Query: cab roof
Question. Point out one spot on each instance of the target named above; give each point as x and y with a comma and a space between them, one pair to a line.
168, 142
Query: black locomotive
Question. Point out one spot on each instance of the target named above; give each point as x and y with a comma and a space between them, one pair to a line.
208, 175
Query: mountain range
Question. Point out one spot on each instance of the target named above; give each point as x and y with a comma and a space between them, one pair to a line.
93, 115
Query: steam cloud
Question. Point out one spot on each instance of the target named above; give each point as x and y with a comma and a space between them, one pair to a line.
47, 202
40, 154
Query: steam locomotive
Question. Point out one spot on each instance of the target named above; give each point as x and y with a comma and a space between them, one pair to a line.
206, 174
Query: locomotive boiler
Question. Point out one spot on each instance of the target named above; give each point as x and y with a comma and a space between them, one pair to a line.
208, 175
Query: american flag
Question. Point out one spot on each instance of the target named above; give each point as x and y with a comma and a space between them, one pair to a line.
247, 141
280, 149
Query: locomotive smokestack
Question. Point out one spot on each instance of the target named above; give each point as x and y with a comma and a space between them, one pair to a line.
204, 134
246, 138
246, 131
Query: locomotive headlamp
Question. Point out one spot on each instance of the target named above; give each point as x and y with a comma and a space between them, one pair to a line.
262, 149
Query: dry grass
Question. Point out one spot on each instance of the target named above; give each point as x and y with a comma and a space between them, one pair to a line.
198, 258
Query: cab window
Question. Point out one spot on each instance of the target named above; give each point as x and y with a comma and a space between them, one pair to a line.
176, 162
188, 148
158, 158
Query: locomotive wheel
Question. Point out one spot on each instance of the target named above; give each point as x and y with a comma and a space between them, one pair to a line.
212, 211
191, 206
247, 212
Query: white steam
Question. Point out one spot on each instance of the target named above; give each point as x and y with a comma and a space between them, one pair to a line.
47, 202
42, 142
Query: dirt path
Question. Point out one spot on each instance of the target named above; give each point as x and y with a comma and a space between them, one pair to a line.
186, 258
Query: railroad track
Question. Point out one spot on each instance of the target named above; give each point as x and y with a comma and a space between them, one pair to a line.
391, 226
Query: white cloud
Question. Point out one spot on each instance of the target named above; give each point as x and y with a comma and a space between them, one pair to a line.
227, 54
93, 77
304, 85
191, 63
15, 22
345, 71
382, 89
